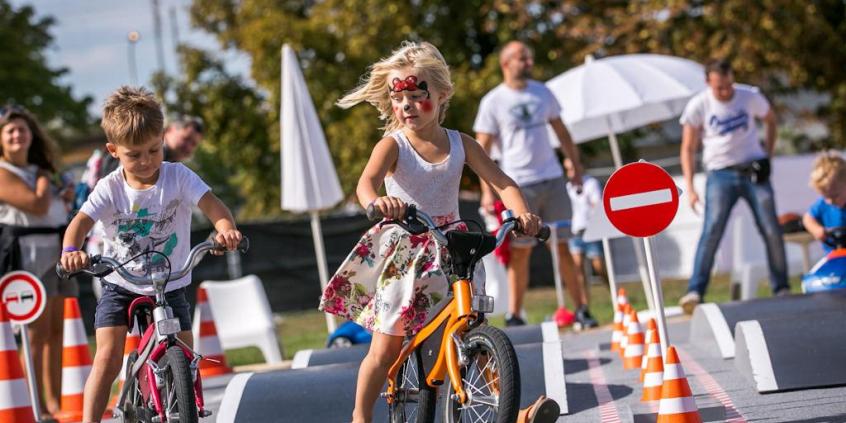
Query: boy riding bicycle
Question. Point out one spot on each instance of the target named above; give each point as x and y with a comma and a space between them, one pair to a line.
145, 205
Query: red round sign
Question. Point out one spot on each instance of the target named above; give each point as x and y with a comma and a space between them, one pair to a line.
640, 199
23, 296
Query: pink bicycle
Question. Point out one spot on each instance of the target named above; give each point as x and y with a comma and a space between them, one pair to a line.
163, 383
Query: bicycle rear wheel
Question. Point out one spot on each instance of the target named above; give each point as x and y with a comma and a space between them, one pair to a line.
491, 380
415, 400
177, 389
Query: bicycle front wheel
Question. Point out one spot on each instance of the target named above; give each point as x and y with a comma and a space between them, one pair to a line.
491, 380
414, 400
177, 389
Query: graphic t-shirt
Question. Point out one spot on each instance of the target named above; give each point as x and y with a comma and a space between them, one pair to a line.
153, 219
827, 215
519, 119
729, 134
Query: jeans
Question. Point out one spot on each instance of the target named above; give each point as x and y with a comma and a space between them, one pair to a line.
723, 188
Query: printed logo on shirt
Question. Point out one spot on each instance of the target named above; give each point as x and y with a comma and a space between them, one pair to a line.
525, 112
729, 124
141, 231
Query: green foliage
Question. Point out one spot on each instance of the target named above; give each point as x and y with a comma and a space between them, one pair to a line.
782, 45
26, 78
237, 157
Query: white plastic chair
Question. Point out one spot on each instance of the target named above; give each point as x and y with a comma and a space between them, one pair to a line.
242, 315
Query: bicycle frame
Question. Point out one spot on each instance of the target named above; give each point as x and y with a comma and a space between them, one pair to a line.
151, 348
456, 317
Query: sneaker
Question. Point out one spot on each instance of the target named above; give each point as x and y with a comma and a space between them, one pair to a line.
584, 319
689, 301
782, 292
511, 320
544, 410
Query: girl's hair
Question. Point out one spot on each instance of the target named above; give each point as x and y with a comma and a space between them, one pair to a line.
424, 58
42, 149
828, 167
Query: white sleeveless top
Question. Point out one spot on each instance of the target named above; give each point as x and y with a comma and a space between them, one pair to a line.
39, 252
432, 187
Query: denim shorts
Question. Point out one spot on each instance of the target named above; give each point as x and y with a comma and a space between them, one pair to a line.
113, 307
591, 249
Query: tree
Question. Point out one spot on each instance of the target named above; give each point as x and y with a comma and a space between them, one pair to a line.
26, 78
782, 45
237, 157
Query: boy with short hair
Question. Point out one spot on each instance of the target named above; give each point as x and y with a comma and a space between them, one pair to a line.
829, 179
144, 206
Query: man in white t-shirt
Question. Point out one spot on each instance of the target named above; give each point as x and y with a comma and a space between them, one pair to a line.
515, 116
722, 119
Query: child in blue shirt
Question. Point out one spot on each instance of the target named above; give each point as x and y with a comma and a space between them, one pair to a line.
828, 177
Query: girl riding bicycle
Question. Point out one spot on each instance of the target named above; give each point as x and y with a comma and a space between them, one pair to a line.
145, 205
392, 280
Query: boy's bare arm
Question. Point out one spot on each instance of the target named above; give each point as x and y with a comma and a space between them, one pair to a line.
221, 218
813, 227
74, 237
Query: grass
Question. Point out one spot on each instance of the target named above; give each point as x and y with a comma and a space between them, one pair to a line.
307, 329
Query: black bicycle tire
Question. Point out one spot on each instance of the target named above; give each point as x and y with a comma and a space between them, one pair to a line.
427, 397
132, 402
183, 383
500, 346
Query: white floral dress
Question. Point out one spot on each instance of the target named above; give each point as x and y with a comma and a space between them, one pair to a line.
392, 280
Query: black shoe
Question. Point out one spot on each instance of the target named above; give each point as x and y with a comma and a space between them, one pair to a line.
514, 321
584, 318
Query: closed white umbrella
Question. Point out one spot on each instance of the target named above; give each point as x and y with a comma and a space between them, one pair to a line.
615, 94
309, 180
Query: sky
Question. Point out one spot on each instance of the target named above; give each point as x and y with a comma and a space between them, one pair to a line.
90, 38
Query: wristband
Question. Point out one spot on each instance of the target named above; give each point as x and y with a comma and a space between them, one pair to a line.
69, 249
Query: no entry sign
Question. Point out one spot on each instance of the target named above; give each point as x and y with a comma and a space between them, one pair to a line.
23, 295
640, 199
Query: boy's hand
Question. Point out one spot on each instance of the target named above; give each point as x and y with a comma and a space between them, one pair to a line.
229, 238
74, 261
529, 224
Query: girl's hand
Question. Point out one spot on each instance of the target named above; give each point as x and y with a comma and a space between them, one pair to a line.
391, 207
74, 261
229, 238
529, 223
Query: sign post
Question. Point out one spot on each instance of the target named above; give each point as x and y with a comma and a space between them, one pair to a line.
641, 200
24, 297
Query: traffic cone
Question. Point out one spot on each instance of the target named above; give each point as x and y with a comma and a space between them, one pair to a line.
634, 347
617, 333
206, 341
651, 326
76, 363
653, 376
14, 393
677, 404
130, 345
627, 319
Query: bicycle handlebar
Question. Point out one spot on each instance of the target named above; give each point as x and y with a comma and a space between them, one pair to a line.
509, 223
102, 266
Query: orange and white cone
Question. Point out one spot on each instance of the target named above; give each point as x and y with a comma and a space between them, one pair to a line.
653, 377
651, 326
627, 319
677, 404
15, 405
634, 347
206, 341
617, 334
130, 345
76, 363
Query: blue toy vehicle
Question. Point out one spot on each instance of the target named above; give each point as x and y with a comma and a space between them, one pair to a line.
348, 334
830, 272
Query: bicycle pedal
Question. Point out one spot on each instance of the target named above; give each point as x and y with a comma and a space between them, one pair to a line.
205, 413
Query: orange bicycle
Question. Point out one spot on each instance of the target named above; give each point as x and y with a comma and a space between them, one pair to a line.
484, 376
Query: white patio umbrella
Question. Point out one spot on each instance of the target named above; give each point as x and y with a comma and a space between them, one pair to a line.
615, 94
309, 180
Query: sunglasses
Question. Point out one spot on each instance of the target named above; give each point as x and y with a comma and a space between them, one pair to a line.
9, 109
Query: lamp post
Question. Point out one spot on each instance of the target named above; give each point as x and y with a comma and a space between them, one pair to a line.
132, 38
